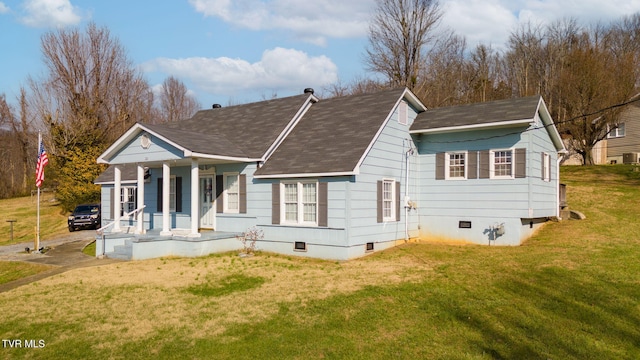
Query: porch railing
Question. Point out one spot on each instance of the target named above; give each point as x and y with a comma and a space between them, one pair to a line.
100, 231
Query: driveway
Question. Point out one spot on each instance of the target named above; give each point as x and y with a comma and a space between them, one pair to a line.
65, 253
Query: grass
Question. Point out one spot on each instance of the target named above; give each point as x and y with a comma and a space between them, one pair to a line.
14, 270
53, 222
570, 292
90, 249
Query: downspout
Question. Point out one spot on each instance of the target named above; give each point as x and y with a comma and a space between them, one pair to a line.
558, 160
406, 192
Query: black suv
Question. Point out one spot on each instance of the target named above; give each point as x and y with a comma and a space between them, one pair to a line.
84, 216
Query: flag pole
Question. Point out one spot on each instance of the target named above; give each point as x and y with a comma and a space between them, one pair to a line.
37, 248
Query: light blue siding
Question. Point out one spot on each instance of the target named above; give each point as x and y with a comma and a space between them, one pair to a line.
385, 160
158, 151
487, 203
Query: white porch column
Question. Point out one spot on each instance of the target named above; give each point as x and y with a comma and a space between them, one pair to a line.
117, 208
195, 198
140, 202
166, 187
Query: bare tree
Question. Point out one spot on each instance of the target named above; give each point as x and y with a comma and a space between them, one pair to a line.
398, 35
20, 145
91, 95
176, 103
594, 83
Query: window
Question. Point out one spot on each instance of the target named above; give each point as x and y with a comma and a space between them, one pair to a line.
618, 131
128, 199
502, 164
231, 193
300, 202
456, 168
388, 200
546, 167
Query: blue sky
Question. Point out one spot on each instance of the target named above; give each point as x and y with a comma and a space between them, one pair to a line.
239, 51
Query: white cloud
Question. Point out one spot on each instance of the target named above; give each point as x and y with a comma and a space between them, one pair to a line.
491, 21
279, 69
3, 8
311, 21
50, 13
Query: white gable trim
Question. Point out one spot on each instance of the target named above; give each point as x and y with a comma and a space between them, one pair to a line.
305, 175
412, 99
136, 129
292, 124
447, 129
550, 126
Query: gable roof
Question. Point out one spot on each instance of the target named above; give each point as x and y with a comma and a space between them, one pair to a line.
243, 132
491, 113
334, 135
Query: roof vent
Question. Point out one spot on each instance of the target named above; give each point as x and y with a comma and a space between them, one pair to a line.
308, 91
216, 106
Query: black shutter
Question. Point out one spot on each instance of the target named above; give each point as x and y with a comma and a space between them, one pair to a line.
379, 201
521, 163
243, 194
323, 204
484, 165
159, 197
179, 194
472, 165
398, 201
219, 190
275, 203
440, 166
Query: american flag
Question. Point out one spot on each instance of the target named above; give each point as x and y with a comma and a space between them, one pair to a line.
43, 160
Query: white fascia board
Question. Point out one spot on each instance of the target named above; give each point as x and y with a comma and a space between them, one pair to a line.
290, 126
189, 153
551, 127
380, 129
413, 99
309, 175
128, 136
509, 123
112, 182
125, 138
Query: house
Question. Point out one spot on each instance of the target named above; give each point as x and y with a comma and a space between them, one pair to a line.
334, 178
621, 145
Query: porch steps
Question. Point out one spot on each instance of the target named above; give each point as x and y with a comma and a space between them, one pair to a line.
122, 252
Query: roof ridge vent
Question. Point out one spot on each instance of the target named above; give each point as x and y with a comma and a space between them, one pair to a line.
216, 106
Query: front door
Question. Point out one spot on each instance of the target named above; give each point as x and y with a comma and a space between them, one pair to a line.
207, 211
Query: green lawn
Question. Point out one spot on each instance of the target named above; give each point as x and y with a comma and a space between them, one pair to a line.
53, 222
570, 292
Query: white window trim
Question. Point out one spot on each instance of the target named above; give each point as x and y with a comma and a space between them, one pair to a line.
123, 190
393, 200
547, 167
447, 164
299, 184
492, 170
615, 132
225, 194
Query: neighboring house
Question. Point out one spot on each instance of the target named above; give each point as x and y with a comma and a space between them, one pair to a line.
622, 145
334, 178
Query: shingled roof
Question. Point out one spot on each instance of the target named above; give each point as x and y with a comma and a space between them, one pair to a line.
486, 113
246, 130
333, 135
